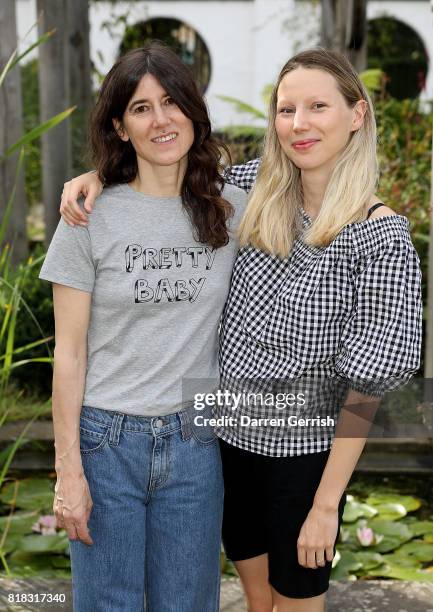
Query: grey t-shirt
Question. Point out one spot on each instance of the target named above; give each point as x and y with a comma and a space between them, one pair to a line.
157, 297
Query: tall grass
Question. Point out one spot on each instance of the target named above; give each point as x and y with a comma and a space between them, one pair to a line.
12, 281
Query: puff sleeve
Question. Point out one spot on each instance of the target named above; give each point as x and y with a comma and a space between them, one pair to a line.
381, 343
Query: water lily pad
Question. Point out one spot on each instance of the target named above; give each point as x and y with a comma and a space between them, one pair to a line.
41, 544
407, 501
19, 523
346, 565
418, 528
401, 573
28, 565
391, 511
353, 510
395, 534
60, 561
369, 559
401, 560
11, 543
418, 549
32, 494
388, 528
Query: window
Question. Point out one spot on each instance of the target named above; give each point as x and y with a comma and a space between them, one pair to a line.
181, 37
398, 50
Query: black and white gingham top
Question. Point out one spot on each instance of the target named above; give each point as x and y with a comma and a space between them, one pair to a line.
323, 320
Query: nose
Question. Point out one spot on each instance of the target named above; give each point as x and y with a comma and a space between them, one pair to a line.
300, 121
160, 117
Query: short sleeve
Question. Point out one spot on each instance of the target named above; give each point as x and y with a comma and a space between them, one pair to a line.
69, 258
243, 175
381, 344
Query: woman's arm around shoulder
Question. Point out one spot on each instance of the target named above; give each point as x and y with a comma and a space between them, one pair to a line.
90, 186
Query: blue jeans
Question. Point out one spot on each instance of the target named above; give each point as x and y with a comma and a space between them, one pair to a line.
157, 491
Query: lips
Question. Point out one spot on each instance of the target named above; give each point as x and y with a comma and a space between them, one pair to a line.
165, 138
304, 144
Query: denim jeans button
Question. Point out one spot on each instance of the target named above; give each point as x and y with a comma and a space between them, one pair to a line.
159, 423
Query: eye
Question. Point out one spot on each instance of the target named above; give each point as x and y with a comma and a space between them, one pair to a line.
169, 101
319, 105
140, 109
285, 110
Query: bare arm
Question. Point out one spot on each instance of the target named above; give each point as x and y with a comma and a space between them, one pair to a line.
317, 536
72, 501
88, 185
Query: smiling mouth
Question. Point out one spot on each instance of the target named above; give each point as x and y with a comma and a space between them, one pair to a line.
166, 138
304, 144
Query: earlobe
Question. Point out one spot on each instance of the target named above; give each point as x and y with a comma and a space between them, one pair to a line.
121, 132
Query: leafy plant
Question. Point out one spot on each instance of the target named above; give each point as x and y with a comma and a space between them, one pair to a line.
29, 541
378, 539
12, 356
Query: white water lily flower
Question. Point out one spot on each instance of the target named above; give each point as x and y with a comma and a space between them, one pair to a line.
46, 525
366, 536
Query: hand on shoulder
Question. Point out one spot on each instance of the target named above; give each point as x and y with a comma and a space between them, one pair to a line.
87, 185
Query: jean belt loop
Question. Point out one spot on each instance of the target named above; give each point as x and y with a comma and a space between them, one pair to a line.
116, 425
185, 424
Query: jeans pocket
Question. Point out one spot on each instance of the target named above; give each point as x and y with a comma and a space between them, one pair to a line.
202, 431
93, 435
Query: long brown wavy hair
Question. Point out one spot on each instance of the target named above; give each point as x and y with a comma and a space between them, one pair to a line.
116, 161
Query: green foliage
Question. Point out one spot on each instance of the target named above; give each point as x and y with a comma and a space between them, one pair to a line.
27, 320
30, 95
355, 510
373, 79
33, 169
23, 552
396, 48
39, 324
244, 142
38, 131
30, 494
405, 137
243, 107
27, 494
399, 546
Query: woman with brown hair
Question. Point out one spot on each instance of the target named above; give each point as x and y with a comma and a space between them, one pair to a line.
138, 295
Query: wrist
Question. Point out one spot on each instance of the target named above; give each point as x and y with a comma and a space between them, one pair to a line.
326, 503
71, 467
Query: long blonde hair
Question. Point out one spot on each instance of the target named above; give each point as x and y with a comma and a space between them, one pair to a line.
271, 221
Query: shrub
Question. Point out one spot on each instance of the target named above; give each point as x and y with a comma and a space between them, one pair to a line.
38, 297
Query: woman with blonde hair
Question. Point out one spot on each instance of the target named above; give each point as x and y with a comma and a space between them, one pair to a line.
323, 317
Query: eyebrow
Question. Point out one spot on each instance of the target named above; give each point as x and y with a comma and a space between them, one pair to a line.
309, 99
144, 101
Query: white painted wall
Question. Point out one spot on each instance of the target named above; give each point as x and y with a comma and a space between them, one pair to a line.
244, 39
248, 41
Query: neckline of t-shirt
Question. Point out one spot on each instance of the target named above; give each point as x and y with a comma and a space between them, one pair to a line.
149, 198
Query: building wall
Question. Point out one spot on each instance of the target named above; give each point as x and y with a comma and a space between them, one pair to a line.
248, 40
419, 17
245, 38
